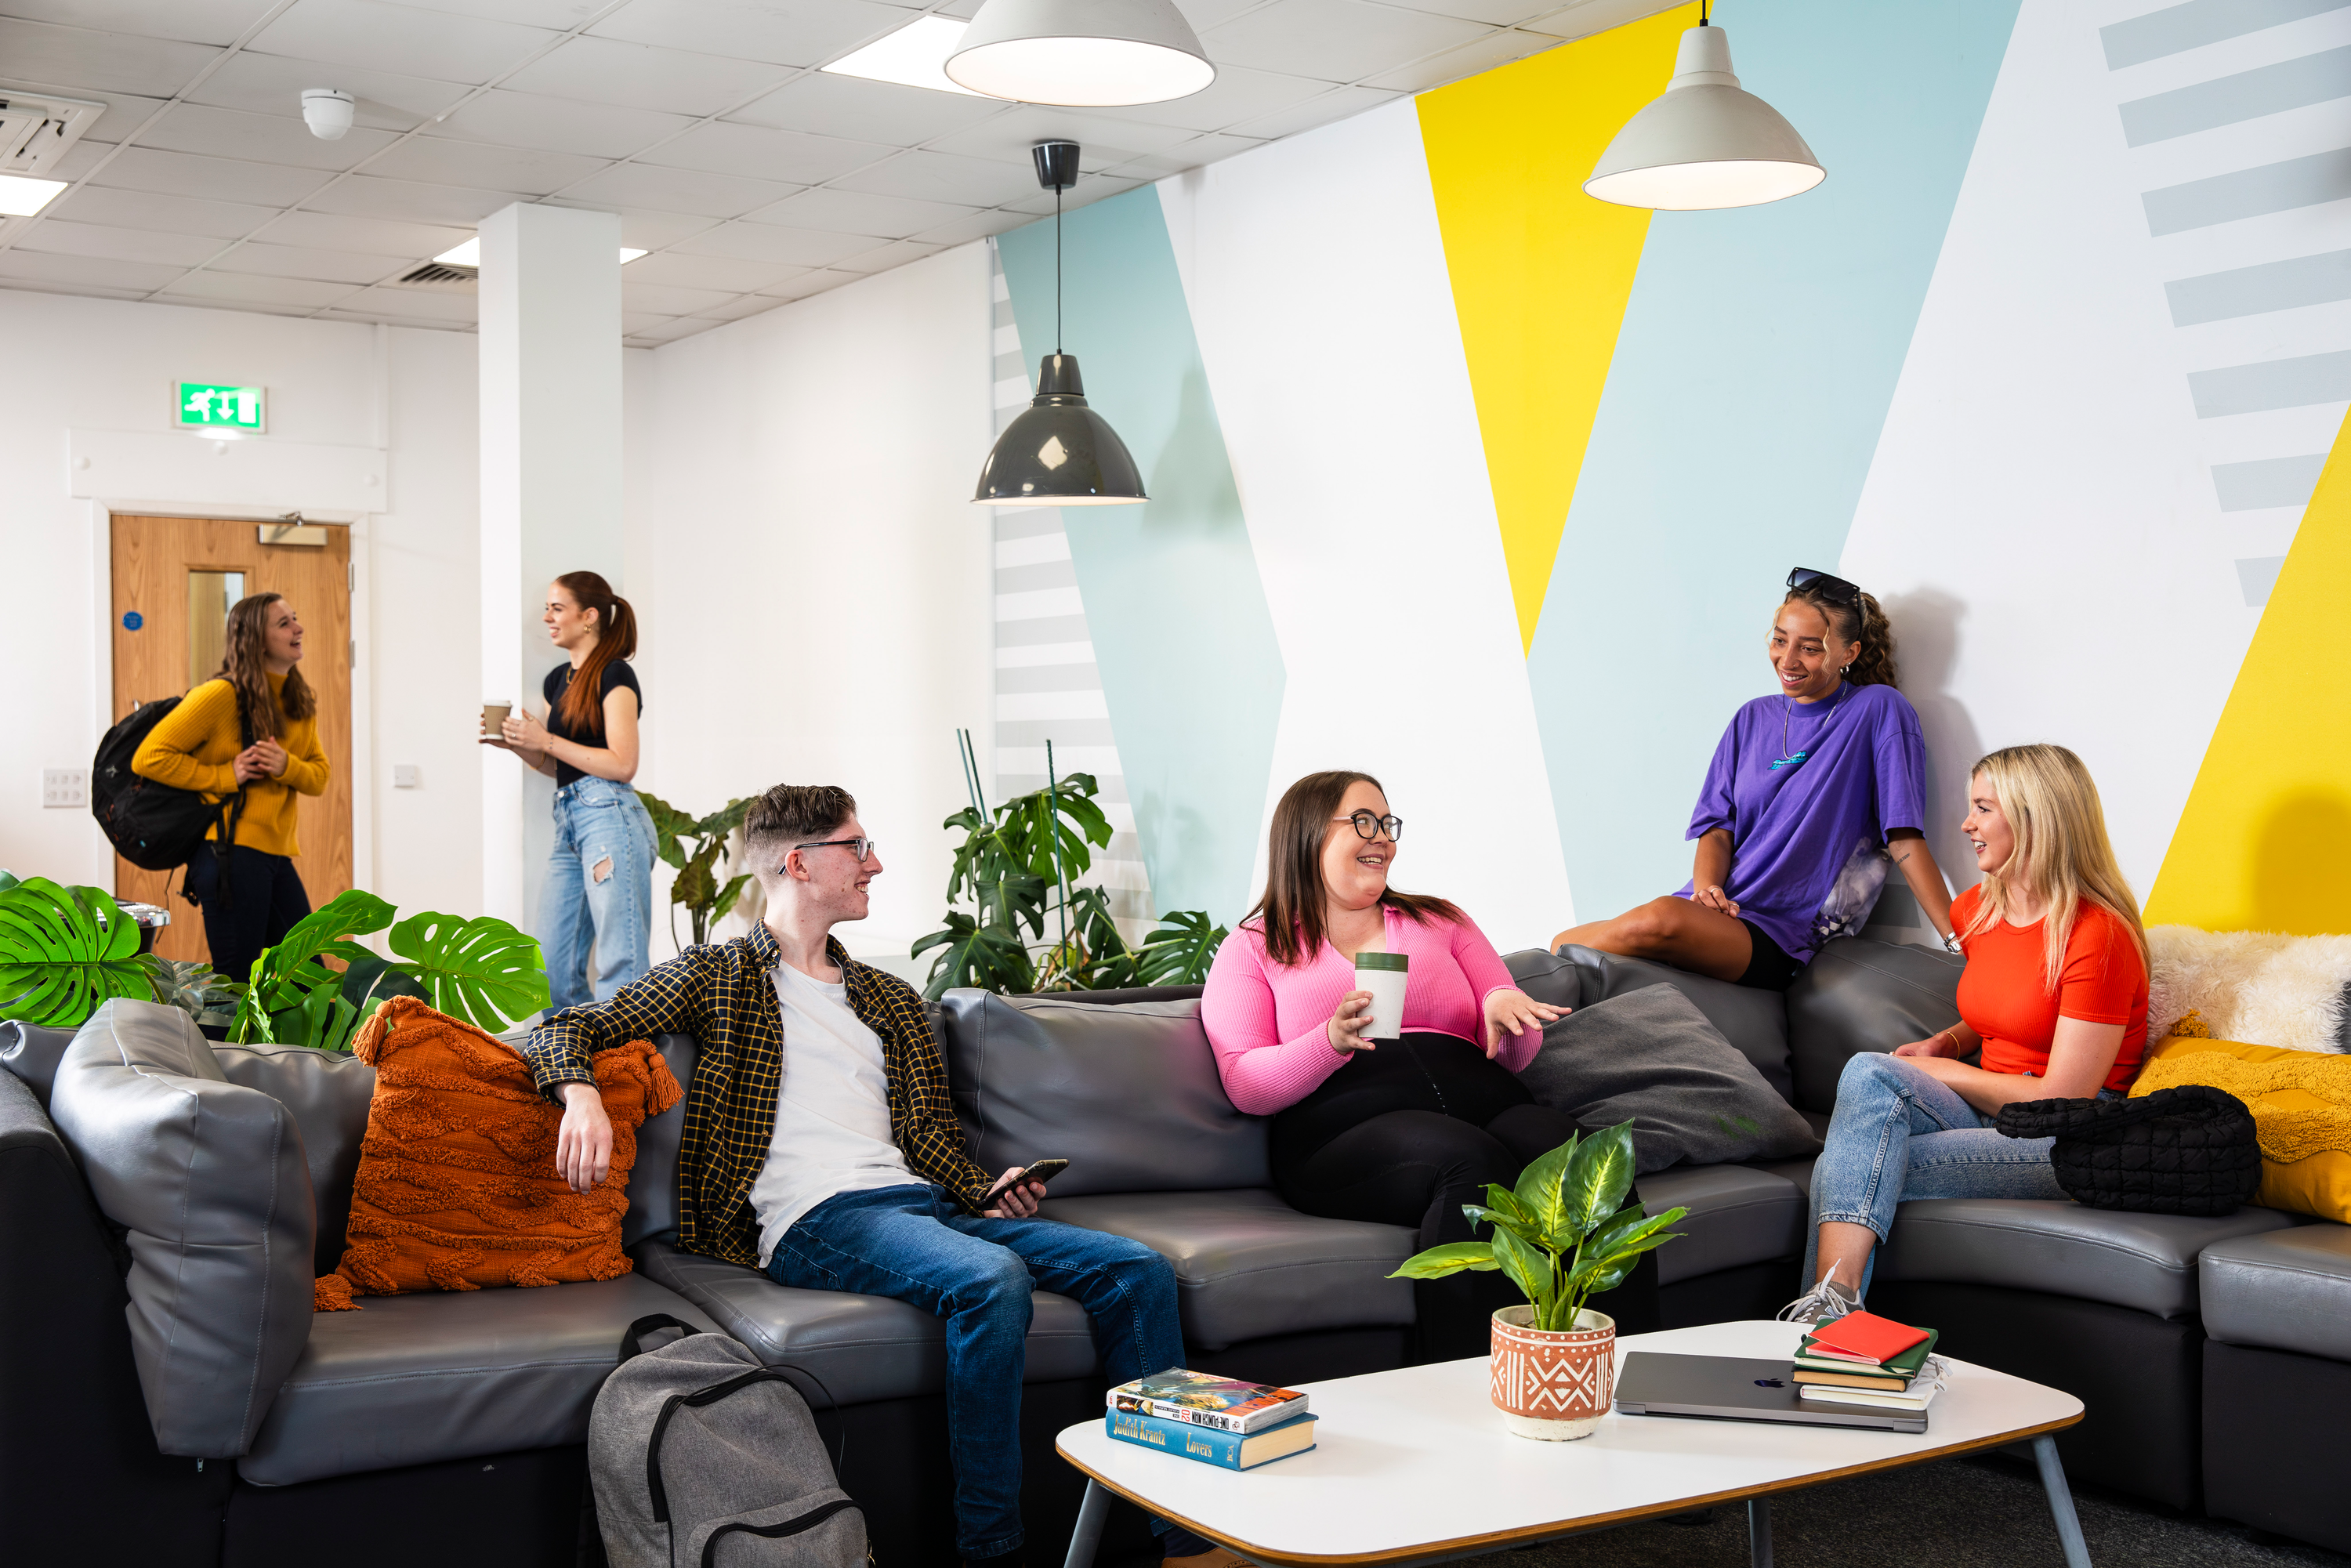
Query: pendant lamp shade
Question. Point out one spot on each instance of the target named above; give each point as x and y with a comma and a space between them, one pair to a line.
1059, 453
1081, 53
1704, 143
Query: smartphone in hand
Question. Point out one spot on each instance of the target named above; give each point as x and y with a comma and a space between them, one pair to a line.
1037, 1171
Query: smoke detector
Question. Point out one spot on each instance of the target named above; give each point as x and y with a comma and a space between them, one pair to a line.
327, 111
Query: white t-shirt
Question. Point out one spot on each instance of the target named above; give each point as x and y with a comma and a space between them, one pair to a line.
832, 1110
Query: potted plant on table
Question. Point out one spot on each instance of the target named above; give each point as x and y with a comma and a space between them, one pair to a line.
1564, 1235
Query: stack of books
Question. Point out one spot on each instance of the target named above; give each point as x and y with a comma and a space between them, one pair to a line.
1863, 1359
1215, 1420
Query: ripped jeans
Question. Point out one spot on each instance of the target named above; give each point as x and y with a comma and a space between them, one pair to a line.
599, 897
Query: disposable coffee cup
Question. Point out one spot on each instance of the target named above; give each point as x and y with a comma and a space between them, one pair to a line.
1383, 975
493, 716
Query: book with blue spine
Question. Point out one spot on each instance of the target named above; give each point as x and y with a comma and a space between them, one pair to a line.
1208, 1444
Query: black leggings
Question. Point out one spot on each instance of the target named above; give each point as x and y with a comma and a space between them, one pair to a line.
1405, 1135
265, 898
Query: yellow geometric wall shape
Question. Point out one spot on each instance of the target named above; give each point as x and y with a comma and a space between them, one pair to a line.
2265, 842
1540, 271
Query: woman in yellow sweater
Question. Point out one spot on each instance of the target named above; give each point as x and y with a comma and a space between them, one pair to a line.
201, 745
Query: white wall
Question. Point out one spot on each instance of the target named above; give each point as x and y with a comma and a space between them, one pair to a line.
812, 581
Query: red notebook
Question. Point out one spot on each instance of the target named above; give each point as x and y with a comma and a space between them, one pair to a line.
1864, 1337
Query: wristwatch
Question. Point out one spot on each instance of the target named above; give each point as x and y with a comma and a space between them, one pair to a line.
1951, 941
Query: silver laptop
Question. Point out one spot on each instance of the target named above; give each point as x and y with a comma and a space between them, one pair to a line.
1733, 1388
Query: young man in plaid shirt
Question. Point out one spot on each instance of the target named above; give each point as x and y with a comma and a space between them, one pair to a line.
820, 1147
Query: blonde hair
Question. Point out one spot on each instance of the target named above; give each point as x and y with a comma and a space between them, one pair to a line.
2063, 858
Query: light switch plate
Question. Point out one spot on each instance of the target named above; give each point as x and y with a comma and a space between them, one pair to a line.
406, 776
66, 787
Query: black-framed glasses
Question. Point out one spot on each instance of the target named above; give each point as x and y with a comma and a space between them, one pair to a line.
1369, 825
1804, 577
862, 848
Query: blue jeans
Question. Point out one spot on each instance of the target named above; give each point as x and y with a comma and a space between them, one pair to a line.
600, 886
1899, 1135
913, 1244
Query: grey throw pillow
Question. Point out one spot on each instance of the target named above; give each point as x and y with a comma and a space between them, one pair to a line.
1650, 1055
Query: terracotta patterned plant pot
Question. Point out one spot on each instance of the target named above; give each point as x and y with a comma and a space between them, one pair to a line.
1554, 1384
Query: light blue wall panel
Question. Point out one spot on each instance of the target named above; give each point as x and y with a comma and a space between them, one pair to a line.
1758, 357
1190, 668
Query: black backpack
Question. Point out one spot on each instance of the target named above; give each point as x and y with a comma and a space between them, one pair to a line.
153, 826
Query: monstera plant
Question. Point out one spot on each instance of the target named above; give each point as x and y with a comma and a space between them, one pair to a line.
63, 951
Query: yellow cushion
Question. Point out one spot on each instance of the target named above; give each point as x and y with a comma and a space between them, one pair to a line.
2301, 1101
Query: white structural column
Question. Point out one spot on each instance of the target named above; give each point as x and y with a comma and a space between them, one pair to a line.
550, 355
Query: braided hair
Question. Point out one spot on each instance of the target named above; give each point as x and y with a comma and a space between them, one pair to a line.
1866, 625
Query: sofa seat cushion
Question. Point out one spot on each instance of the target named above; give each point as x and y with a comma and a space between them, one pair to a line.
862, 1348
1248, 1265
1737, 1216
2143, 1262
2284, 1289
412, 1379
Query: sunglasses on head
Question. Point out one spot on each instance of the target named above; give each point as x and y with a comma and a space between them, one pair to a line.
1806, 578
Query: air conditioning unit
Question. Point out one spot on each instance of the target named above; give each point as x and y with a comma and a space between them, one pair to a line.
441, 278
35, 129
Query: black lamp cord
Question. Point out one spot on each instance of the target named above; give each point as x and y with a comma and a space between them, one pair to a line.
1057, 272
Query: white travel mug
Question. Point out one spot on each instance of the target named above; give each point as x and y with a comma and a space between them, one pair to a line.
1383, 975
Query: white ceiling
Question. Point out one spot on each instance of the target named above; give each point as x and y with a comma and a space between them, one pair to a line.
751, 178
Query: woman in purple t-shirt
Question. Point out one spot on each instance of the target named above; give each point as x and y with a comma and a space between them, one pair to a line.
1811, 792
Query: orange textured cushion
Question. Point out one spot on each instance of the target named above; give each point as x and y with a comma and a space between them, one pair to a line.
456, 1186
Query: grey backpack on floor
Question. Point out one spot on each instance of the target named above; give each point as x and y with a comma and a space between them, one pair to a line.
701, 1458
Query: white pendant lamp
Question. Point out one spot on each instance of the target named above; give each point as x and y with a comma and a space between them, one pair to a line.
1081, 53
1704, 143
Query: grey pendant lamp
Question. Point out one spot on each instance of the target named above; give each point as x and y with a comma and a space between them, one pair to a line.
1705, 141
1059, 453
1081, 53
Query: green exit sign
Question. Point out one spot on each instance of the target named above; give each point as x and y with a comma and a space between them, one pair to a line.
204, 405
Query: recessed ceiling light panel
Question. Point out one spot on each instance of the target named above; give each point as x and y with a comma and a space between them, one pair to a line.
21, 196
1081, 54
470, 253
914, 56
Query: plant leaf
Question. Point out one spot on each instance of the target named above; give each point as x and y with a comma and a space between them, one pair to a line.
670, 825
1538, 1198
63, 951
1531, 1268
1179, 952
1451, 1258
1599, 1175
482, 971
988, 956
277, 981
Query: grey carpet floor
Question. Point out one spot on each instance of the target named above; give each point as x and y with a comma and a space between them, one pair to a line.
1960, 1513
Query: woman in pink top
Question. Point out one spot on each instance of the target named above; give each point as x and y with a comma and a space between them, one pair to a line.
1403, 1132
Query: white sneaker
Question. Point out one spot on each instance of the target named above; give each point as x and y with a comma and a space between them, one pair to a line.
1824, 1303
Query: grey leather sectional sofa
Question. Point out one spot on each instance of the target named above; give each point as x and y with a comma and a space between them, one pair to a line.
167, 1399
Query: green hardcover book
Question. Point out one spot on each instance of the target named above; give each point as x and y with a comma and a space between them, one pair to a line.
1904, 1367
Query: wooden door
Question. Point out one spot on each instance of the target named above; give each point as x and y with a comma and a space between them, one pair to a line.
173, 579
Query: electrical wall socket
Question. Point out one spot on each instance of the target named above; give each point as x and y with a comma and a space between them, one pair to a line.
66, 787
406, 776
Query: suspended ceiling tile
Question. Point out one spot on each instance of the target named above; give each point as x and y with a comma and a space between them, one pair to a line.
897, 253
563, 16
1102, 141
273, 84
98, 272
944, 177
426, 304
1337, 104
720, 272
145, 209
125, 112
642, 229
42, 53
258, 137
364, 196
218, 179
823, 103
118, 244
1338, 40
1585, 17
779, 32
561, 124
1091, 189
756, 152
187, 21
1468, 60
677, 327
809, 283
332, 231
736, 309
320, 266
766, 242
635, 321
669, 300
442, 44
79, 160
1493, 13
372, 317
678, 191
69, 286
438, 160
1192, 154
1238, 93
856, 212
607, 70
979, 226
256, 290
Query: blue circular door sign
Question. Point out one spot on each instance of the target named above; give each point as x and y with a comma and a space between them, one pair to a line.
132, 620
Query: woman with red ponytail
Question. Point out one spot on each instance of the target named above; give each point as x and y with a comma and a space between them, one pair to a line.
599, 880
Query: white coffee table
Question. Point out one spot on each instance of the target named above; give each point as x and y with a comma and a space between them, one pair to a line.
1414, 1466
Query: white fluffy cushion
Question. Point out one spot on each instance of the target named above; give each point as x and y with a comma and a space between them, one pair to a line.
2252, 987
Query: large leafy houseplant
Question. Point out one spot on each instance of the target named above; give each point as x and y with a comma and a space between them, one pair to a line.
693, 847
63, 951
1563, 1234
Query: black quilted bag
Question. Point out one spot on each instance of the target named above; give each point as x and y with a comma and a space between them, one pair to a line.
2189, 1150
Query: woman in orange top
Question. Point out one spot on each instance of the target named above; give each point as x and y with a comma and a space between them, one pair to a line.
2054, 995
